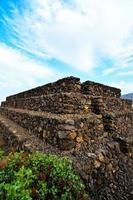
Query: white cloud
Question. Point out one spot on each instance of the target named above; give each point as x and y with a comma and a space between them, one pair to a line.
126, 73
18, 72
109, 71
79, 34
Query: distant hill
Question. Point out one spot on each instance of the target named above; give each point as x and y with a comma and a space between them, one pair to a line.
127, 96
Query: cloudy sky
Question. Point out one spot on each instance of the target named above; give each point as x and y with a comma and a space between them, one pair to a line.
43, 40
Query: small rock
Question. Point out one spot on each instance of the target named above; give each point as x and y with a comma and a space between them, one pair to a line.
39, 129
100, 127
70, 122
99, 116
110, 166
114, 170
87, 138
78, 145
60, 99
66, 127
69, 127
101, 157
81, 125
111, 145
72, 135
97, 164
44, 134
86, 108
63, 84
62, 134
14, 131
67, 144
54, 140
79, 87
91, 155
27, 144
79, 139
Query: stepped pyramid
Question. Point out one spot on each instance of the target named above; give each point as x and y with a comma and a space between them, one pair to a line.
87, 121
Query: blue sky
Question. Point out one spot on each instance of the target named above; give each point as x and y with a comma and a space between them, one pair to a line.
43, 40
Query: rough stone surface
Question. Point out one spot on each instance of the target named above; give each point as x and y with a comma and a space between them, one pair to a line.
98, 89
88, 122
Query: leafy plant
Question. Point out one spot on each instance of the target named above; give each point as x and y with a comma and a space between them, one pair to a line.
39, 176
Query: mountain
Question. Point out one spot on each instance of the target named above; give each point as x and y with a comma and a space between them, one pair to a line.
127, 96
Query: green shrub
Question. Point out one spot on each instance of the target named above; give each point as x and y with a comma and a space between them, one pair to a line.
39, 176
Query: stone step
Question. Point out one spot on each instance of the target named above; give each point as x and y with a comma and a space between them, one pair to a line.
119, 123
56, 103
69, 84
117, 104
98, 89
70, 103
64, 131
19, 138
101, 104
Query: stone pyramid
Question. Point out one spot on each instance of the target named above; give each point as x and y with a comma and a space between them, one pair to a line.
88, 122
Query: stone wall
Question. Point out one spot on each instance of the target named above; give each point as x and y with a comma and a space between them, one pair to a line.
70, 103
55, 103
66, 132
117, 104
70, 84
98, 89
120, 123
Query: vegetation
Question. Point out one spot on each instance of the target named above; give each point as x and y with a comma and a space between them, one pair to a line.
38, 176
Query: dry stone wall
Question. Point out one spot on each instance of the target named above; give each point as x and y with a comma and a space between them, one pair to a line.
98, 89
117, 104
70, 103
120, 123
70, 84
66, 132
55, 103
